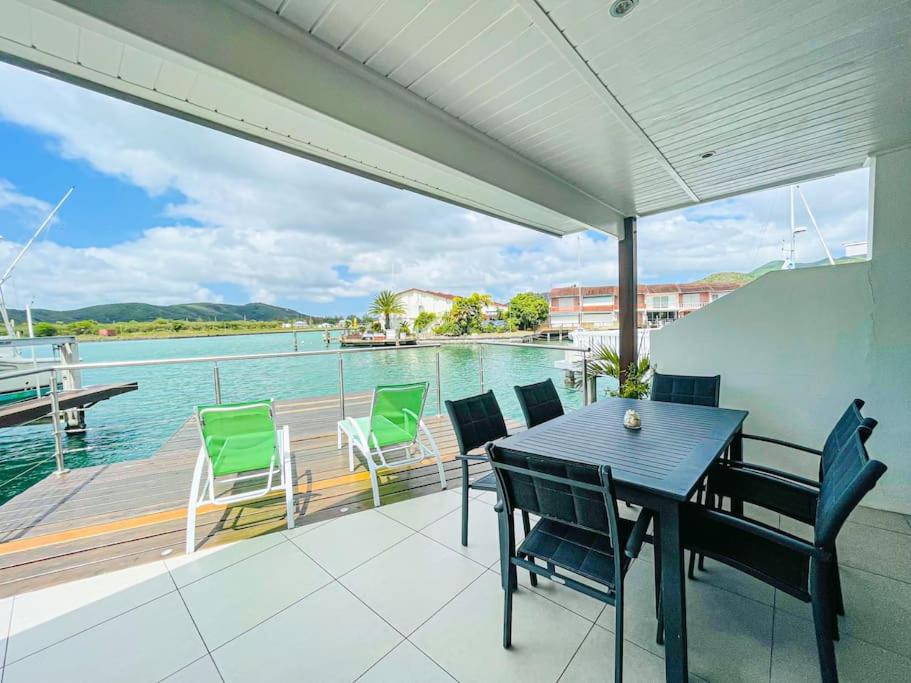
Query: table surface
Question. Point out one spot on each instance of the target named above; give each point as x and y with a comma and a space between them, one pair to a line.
669, 455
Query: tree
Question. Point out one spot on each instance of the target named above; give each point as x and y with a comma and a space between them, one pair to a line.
45, 330
424, 320
466, 315
528, 310
387, 304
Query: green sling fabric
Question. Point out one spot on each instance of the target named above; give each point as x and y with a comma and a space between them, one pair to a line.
238, 440
389, 422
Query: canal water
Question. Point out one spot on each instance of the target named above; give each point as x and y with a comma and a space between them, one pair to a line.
135, 425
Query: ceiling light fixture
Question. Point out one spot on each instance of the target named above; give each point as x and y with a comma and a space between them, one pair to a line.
620, 8
707, 155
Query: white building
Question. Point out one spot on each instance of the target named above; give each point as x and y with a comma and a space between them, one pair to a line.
418, 301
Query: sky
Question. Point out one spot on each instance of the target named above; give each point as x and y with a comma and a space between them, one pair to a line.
166, 211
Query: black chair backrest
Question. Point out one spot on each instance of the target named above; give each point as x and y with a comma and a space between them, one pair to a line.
476, 420
851, 474
843, 431
689, 389
540, 402
579, 495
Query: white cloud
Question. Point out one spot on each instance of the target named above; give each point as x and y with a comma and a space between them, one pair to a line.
289, 231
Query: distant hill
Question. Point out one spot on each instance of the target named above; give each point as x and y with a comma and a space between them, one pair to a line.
109, 313
744, 278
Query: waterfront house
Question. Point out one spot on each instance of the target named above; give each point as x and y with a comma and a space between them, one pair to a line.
417, 301
596, 307
561, 117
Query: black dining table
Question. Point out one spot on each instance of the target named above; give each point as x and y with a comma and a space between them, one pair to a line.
658, 466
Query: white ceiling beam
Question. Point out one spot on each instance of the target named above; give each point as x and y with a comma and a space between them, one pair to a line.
247, 42
547, 26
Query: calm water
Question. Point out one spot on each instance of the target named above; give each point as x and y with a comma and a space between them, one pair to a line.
134, 425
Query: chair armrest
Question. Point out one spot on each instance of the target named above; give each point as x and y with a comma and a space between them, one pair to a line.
786, 477
479, 457
768, 533
638, 535
779, 442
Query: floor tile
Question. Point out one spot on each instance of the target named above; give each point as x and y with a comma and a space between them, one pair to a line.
304, 527
423, 510
877, 609
227, 603
876, 550
348, 541
188, 568
328, 636
201, 671
406, 664
47, 616
483, 536
595, 661
729, 637
6, 612
409, 582
144, 644
722, 576
489, 497
794, 656
465, 637
891, 521
577, 602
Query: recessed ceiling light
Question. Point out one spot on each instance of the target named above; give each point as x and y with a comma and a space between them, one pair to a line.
707, 155
620, 8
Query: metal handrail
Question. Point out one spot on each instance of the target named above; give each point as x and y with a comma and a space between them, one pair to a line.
552, 347
216, 379
207, 359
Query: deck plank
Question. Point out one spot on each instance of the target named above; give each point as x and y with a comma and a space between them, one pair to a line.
111, 516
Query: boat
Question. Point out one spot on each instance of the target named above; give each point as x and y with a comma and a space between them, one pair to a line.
12, 360
370, 340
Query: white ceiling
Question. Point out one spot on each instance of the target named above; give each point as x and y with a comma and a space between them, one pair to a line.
549, 113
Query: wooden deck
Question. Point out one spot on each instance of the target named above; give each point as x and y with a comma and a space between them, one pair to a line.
23, 412
97, 519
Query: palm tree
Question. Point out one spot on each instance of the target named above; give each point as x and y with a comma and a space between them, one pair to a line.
387, 304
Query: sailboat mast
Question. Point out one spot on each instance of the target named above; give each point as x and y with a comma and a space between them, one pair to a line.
9, 271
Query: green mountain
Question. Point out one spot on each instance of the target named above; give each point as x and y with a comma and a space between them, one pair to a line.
110, 313
743, 278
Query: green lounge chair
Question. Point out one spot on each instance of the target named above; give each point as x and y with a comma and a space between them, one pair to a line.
240, 442
395, 425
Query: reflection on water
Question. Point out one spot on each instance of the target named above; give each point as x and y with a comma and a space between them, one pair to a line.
134, 425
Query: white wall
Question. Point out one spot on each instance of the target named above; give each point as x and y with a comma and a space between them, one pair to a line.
795, 347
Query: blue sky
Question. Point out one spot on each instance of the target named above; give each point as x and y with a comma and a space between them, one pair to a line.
168, 212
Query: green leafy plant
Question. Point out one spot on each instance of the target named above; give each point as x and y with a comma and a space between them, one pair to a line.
376, 326
387, 304
635, 385
424, 320
527, 310
466, 315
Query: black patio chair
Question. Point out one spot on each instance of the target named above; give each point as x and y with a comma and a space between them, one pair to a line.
805, 569
688, 389
691, 390
782, 492
539, 402
580, 533
476, 421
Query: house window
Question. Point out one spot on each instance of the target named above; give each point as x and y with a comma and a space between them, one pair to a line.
566, 301
718, 295
662, 301
606, 300
691, 300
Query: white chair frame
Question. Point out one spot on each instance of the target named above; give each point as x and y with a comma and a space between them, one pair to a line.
280, 464
375, 457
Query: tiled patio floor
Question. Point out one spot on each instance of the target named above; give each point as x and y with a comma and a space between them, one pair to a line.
390, 595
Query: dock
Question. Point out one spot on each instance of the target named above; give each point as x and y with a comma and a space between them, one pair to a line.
23, 412
97, 519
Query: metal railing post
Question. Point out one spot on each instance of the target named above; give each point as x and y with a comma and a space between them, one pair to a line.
586, 399
439, 387
341, 386
216, 380
55, 417
481, 366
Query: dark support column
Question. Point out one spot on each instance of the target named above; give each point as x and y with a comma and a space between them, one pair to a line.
629, 339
